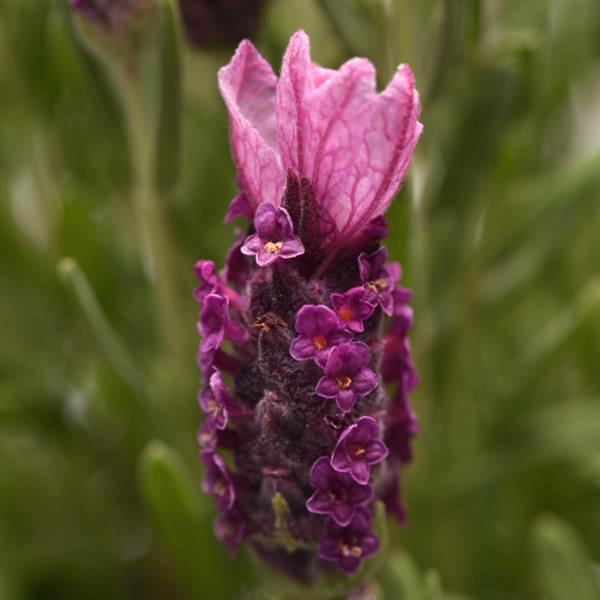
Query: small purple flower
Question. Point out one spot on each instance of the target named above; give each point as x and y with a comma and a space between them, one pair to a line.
217, 481
230, 529
346, 376
207, 277
319, 331
336, 494
213, 401
274, 237
207, 437
358, 448
215, 324
353, 308
348, 546
379, 279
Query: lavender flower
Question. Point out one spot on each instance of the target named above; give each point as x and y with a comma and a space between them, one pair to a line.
352, 308
319, 331
346, 376
336, 494
274, 237
213, 403
358, 448
348, 546
217, 481
379, 278
304, 300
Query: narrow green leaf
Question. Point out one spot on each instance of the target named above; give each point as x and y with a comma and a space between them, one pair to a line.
564, 570
184, 523
168, 134
403, 579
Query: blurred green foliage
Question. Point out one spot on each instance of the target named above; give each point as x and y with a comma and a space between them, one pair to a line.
497, 229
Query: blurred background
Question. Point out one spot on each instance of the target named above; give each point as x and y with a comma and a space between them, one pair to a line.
497, 228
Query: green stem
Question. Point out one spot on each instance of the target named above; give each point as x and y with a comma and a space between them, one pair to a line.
120, 359
156, 246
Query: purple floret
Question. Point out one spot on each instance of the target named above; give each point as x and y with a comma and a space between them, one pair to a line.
274, 237
320, 332
346, 376
348, 546
336, 494
358, 448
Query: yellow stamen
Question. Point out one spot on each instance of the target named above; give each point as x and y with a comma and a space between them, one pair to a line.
273, 247
319, 342
346, 314
343, 381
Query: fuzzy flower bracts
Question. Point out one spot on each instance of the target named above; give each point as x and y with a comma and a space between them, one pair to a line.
304, 352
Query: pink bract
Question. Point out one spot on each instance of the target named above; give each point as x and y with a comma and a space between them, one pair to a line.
330, 127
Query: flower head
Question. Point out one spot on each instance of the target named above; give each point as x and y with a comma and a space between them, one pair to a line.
274, 237
348, 546
319, 332
358, 448
319, 155
346, 376
336, 494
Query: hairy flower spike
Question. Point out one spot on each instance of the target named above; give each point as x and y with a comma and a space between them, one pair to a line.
306, 327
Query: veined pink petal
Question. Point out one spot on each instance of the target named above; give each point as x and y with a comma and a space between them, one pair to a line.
352, 144
248, 85
385, 153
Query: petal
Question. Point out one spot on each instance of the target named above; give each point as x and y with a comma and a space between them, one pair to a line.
238, 207
302, 348
346, 399
327, 387
342, 514
360, 493
252, 245
360, 471
248, 85
369, 545
329, 548
392, 131
349, 564
320, 473
320, 503
365, 382
291, 248
376, 452
339, 460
